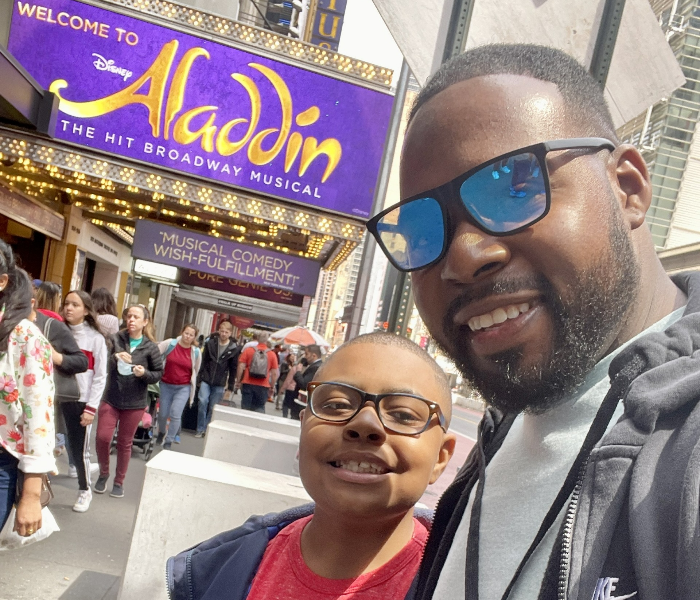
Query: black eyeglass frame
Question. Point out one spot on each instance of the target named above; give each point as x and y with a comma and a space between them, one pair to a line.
443, 193
376, 399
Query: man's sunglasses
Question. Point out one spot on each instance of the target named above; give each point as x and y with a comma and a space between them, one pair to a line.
501, 196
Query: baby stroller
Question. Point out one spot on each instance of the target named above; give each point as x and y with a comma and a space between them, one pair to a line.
144, 437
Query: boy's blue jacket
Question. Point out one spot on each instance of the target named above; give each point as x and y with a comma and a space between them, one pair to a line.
223, 567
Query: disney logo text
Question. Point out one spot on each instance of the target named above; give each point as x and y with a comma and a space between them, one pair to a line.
102, 64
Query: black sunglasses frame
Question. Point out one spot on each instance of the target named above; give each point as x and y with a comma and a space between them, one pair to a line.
447, 191
376, 399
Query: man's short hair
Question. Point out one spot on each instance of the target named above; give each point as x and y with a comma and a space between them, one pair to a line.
225, 321
582, 94
314, 349
262, 337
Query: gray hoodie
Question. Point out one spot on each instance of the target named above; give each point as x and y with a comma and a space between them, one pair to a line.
633, 525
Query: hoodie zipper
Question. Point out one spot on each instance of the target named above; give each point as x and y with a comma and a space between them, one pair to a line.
569, 519
167, 581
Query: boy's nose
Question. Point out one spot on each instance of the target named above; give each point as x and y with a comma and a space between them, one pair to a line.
366, 426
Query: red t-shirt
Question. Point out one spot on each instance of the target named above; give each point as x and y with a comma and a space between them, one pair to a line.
283, 574
247, 357
178, 366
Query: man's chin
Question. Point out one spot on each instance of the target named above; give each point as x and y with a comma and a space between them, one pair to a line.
511, 386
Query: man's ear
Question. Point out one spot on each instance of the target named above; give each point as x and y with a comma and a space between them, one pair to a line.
633, 184
445, 454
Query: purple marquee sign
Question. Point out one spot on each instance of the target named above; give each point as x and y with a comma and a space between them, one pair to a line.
189, 250
146, 92
242, 288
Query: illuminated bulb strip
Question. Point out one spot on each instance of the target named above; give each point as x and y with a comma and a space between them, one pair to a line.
270, 218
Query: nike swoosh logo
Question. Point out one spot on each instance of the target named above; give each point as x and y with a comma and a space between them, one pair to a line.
623, 597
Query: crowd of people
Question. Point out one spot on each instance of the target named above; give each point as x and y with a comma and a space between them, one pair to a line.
92, 366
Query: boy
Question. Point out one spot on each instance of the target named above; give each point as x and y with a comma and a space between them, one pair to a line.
373, 436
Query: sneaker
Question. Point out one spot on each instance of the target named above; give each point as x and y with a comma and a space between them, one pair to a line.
83, 501
58, 450
94, 468
177, 439
117, 491
495, 174
159, 439
167, 445
72, 472
505, 169
199, 434
101, 484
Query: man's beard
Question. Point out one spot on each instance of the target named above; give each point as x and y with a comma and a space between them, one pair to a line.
582, 325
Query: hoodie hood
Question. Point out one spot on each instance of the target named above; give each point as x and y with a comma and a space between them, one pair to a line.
668, 362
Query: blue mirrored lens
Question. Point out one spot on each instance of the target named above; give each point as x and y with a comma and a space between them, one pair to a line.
413, 233
507, 194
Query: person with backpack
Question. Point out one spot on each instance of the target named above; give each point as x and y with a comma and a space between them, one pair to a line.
182, 361
258, 371
219, 360
68, 361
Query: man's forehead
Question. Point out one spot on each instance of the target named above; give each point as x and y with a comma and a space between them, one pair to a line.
475, 120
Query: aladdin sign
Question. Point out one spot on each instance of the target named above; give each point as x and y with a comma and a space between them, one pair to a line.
145, 92
188, 250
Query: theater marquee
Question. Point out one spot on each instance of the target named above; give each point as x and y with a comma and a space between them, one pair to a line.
146, 92
189, 250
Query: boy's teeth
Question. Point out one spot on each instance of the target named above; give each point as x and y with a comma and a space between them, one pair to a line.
497, 316
361, 467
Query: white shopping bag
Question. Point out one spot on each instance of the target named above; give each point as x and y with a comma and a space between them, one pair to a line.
11, 540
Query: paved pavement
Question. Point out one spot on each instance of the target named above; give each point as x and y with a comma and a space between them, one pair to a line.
86, 559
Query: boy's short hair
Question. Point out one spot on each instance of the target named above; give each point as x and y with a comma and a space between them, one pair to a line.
391, 339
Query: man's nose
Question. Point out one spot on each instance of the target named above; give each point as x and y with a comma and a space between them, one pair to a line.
473, 255
366, 427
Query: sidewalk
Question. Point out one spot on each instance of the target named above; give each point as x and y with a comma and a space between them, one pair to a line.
86, 559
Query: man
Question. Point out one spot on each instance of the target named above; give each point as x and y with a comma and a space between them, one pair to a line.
257, 374
312, 354
219, 361
546, 290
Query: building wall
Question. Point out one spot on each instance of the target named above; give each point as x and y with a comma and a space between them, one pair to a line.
225, 8
665, 134
685, 226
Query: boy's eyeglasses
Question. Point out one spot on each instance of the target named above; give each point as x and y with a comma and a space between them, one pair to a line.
405, 414
501, 196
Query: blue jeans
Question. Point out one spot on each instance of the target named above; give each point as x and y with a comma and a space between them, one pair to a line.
172, 402
209, 396
254, 397
8, 483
